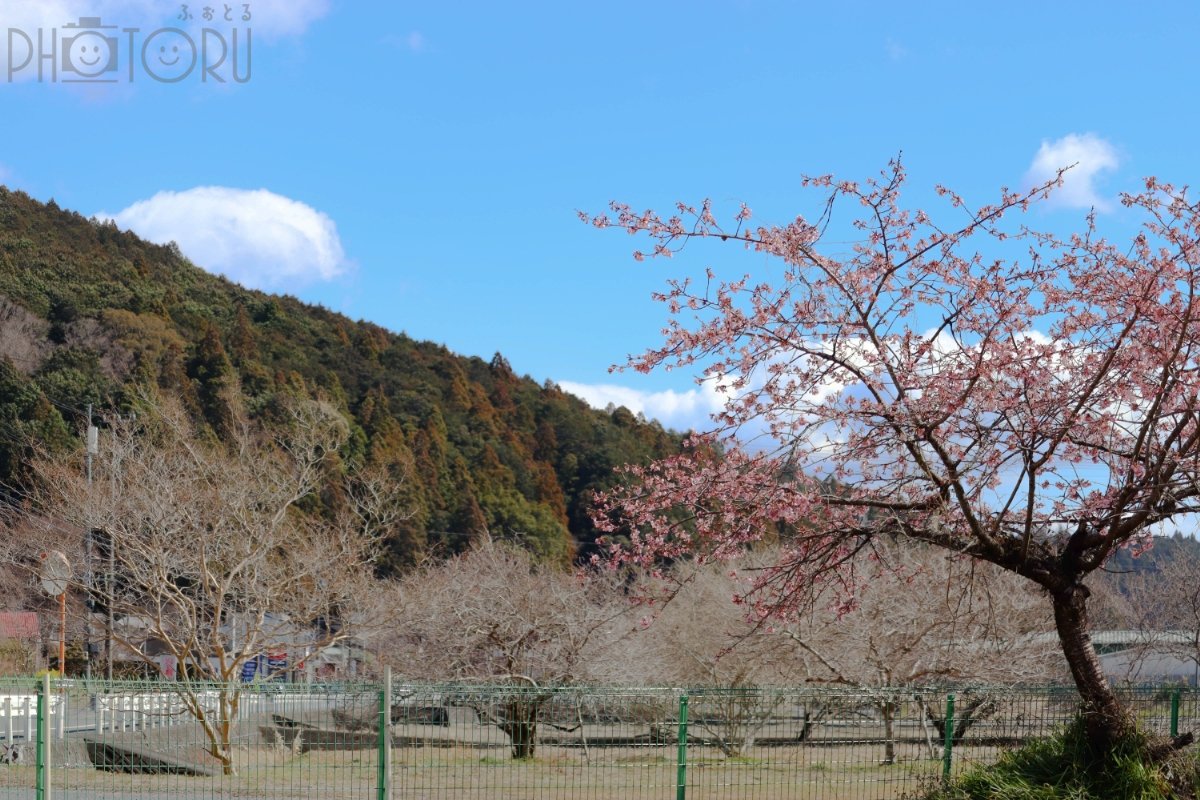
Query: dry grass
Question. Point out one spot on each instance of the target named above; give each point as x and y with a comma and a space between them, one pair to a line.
845, 765
844, 772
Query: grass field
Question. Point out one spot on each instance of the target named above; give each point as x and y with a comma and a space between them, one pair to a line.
599, 745
842, 772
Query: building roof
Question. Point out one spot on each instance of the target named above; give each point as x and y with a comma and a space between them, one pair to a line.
19, 625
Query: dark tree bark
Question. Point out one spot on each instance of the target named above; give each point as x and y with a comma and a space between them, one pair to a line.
888, 707
520, 725
1105, 717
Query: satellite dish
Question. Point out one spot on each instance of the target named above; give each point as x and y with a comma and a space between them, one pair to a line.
56, 572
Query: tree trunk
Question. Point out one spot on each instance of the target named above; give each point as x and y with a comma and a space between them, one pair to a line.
746, 743
806, 726
809, 721
889, 732
221, 745
969, 711
520, 725
217, 729
1105, 717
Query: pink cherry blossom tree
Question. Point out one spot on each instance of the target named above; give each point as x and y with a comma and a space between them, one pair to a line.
1022, 398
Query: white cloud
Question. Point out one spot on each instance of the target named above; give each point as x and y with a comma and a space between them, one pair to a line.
690, 410
255, 237
277, 18
28, 16
1091, 156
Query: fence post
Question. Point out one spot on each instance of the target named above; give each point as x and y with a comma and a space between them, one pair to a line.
948, 738
60, 710
385, 737
681, 753
43, 740
1175, 713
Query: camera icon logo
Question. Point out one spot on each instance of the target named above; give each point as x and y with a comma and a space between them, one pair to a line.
87, 49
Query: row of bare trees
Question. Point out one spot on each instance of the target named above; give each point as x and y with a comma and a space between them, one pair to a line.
493, 614
921, 618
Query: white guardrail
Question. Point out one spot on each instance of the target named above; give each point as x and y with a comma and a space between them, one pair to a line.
125, 711
143, 711
18, 715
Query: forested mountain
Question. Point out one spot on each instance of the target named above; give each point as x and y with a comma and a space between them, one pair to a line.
1163, 550
91, 314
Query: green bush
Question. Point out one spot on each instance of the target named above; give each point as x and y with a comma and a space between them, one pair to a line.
1066, 766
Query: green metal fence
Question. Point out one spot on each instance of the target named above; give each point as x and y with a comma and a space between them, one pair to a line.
158, 740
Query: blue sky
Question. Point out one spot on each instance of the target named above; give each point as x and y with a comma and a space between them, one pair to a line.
420, 165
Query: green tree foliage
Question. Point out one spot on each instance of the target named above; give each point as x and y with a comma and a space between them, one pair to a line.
213, 376
482, 449
26, 418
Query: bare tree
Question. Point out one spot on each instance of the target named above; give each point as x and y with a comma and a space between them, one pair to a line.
693, 635
493, 614
1179, 602
206, 554
1156, 612
926, 618
921, 619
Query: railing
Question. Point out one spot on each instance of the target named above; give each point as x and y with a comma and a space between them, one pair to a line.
382, 740
18, 715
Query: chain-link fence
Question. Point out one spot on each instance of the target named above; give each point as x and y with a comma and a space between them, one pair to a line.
158, 740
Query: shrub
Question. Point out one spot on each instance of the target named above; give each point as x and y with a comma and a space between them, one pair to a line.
1066, 766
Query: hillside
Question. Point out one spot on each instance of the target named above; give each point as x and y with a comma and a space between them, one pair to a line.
88, 314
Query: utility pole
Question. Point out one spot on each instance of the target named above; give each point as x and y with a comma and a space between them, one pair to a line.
91, 451
89, 554
92, 441
108, 582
